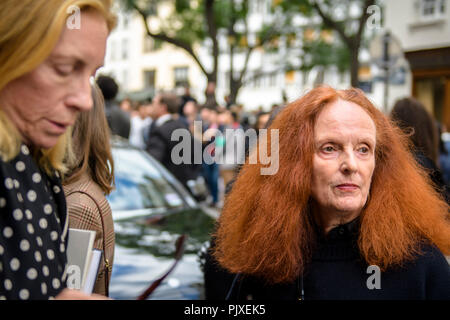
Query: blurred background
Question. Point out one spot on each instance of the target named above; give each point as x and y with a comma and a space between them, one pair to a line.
233, 62
265, 52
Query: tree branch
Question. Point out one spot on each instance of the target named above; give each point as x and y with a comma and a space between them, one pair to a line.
247, 58
212, 32
363, 20
332, 24
174, 41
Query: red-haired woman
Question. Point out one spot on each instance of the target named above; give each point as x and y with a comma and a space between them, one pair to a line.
348, 215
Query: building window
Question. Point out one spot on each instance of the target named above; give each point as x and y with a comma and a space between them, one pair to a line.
125, 21
125, 78
151, 44
149, 79
432, 9
258, 81
273, 77
124, 49
113, 51
181, 76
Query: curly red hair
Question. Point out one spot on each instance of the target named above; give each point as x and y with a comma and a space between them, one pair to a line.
264, 229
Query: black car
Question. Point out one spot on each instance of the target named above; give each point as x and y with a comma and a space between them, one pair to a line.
151, 209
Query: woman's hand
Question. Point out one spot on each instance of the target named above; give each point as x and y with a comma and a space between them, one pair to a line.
70, 294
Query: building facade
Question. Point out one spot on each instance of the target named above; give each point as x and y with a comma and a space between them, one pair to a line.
423, 28
143, 66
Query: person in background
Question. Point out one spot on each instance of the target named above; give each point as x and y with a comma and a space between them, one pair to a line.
231, 151
348, 215
185, 98
210, 168
444, 153
412, 117
45, 72
261, 121
210, 94
126, 105
228, 102
160, 144
118, 120
89, 179
149, 114
139, 122
190, 114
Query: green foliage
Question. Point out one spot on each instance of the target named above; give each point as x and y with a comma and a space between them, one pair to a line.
321, 53
147, 6
317, 51
295, 6
187, 24
182, 5
188, 21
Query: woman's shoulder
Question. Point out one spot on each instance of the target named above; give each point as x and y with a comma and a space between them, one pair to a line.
85, 211
432, 260
87, 196
84, 186
436, 271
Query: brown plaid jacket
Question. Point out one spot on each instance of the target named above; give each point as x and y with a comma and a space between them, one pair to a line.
82, 198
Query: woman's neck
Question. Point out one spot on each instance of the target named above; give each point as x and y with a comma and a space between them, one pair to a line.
329, 219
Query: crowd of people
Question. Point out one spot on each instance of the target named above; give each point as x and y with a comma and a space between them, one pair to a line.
357, 191
149, 124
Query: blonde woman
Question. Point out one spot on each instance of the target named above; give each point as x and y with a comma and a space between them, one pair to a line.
45, 70
90, 178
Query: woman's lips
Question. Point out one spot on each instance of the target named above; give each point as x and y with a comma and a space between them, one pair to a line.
347, 187
58, 127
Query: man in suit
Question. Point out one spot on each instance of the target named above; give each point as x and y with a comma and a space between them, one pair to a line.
118, 120
165, 122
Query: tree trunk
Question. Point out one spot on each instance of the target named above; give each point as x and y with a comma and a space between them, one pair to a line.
235, 86
354, 66
210, 91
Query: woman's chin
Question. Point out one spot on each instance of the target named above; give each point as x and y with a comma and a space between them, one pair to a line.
45, 142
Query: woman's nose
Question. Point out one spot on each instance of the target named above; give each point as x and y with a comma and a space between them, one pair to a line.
82, 95
349, 162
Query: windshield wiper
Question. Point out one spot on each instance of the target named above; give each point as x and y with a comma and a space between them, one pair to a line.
179, 251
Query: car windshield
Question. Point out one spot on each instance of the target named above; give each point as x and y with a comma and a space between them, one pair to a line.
139, 183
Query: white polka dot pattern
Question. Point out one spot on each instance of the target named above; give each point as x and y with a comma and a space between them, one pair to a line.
32, 254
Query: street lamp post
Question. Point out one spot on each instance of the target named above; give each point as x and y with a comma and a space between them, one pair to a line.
386, 52
386, 59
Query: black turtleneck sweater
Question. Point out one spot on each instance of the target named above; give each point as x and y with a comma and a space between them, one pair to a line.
337, 272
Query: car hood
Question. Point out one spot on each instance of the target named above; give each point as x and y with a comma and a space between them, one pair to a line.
145, 249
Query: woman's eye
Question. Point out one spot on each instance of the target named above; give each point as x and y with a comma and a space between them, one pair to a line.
64, 70
364, 150
328, 149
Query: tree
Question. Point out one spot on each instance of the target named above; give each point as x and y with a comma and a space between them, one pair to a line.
335, 17
241, 40
195, 23
184, 28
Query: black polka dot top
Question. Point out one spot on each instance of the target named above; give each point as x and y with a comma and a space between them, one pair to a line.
33, 230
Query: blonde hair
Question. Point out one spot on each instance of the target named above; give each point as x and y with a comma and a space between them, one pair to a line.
29, 30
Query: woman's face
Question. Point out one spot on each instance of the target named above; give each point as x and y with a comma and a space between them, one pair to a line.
344, 158
43, 103
189, 108
262, 121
